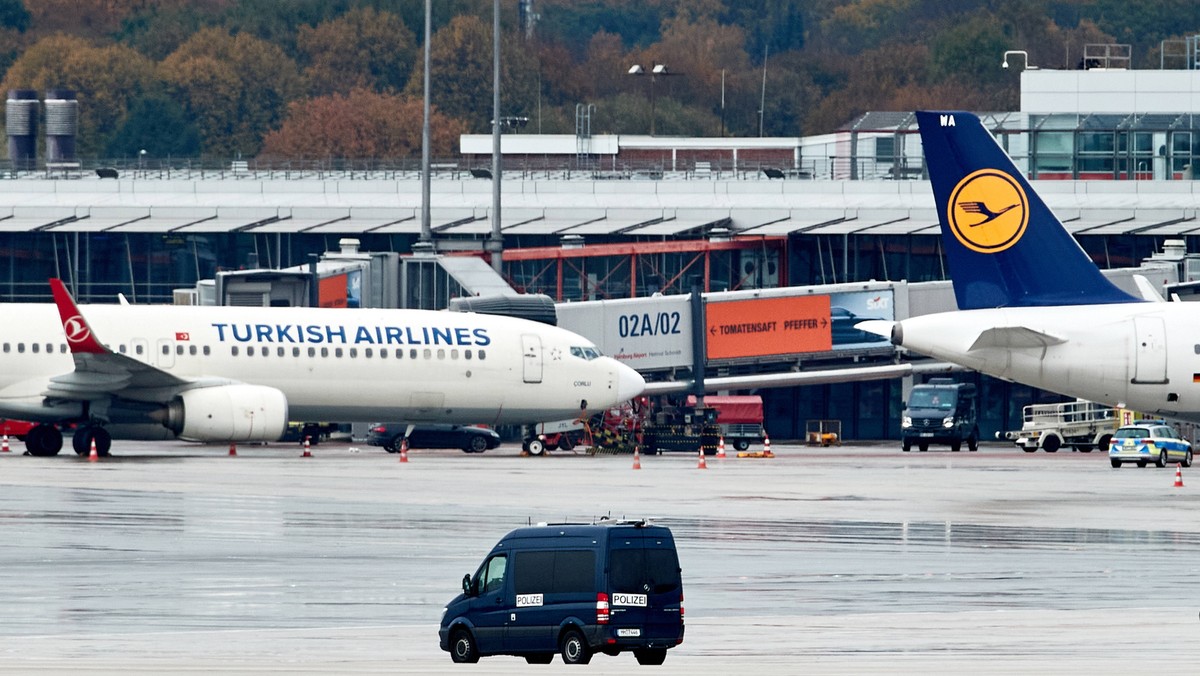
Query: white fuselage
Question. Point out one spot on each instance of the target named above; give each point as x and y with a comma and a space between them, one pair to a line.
332, 365
1142, 356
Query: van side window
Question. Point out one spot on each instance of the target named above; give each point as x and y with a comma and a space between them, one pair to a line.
491, 576
556, 572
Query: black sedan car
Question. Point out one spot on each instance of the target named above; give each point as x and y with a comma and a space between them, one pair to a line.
470, 439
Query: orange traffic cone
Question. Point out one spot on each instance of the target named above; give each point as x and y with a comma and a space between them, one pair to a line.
4, 448
232, 448
767, 447
93, 456
307, 453
721, 447
702, 464
404, 450
637, 456
1178, 476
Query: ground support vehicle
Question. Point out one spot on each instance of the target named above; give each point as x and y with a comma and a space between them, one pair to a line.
1149, 441
564, 435
940, 411
15, 428
570, 589
1080, 425
682, 428
740, 418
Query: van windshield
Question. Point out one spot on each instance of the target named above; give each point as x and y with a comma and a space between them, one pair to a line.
637, 571
930, 398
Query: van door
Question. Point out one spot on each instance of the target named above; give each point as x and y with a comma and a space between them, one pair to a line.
550, 586
489, 609
644, 587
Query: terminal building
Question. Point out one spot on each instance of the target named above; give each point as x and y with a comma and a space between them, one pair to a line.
597, 219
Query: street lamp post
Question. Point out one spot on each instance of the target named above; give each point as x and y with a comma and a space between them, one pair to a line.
655, 70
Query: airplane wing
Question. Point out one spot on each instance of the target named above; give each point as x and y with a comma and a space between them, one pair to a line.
98, 370
1008, 337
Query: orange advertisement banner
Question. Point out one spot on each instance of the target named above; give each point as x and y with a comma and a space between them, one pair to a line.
332, 291
768, 326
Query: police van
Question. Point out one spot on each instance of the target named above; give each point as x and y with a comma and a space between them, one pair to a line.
572, 589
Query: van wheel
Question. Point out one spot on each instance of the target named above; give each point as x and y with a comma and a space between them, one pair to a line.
537, 447
905, 445
650, 655
574, 648
462, 647
540, 658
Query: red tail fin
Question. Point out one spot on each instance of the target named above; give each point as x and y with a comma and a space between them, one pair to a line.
79, 333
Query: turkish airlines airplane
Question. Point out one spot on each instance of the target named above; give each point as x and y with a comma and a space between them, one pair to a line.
239, 374
1033, 308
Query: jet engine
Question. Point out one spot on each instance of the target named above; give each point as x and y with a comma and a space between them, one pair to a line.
228, 413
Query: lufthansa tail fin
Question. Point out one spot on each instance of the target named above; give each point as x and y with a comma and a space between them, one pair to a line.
1005, 248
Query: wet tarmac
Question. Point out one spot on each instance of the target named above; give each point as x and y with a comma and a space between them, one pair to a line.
177, 558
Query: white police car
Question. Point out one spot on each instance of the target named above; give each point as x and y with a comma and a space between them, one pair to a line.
1149, 441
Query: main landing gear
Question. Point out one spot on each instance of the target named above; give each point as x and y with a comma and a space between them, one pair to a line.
82, 440
46, 440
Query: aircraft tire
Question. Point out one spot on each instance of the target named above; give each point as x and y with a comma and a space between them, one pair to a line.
44, 440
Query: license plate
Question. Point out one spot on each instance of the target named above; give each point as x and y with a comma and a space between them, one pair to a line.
927, 434
629, 633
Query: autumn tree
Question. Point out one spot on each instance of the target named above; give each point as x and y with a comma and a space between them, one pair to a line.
461, 66
13, 15
360, 125
361, 48
236, 88
105, 79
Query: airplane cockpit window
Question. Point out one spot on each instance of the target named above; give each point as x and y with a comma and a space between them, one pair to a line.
587, 353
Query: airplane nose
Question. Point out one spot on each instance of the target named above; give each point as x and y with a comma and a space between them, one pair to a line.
630, 383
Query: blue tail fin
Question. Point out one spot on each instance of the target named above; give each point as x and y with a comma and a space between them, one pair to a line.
1004, 246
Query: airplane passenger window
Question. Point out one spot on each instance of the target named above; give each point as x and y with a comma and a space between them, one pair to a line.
295, 352
21, 348
34, 347
400, 353
324, 352
232, 350
466, 354
312, 351
382, 354
368, 352
412, 354
337, 352
62, 348
138, 349
482, 355
353, 352
250, 351
121, 348
428, 353
207, 351
166, 349
454, 354
6, 347
441, 354
279, 352
266, 352
49, 348
179, 350
192, 350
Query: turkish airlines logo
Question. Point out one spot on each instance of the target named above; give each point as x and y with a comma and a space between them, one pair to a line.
988, 211
77, 330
